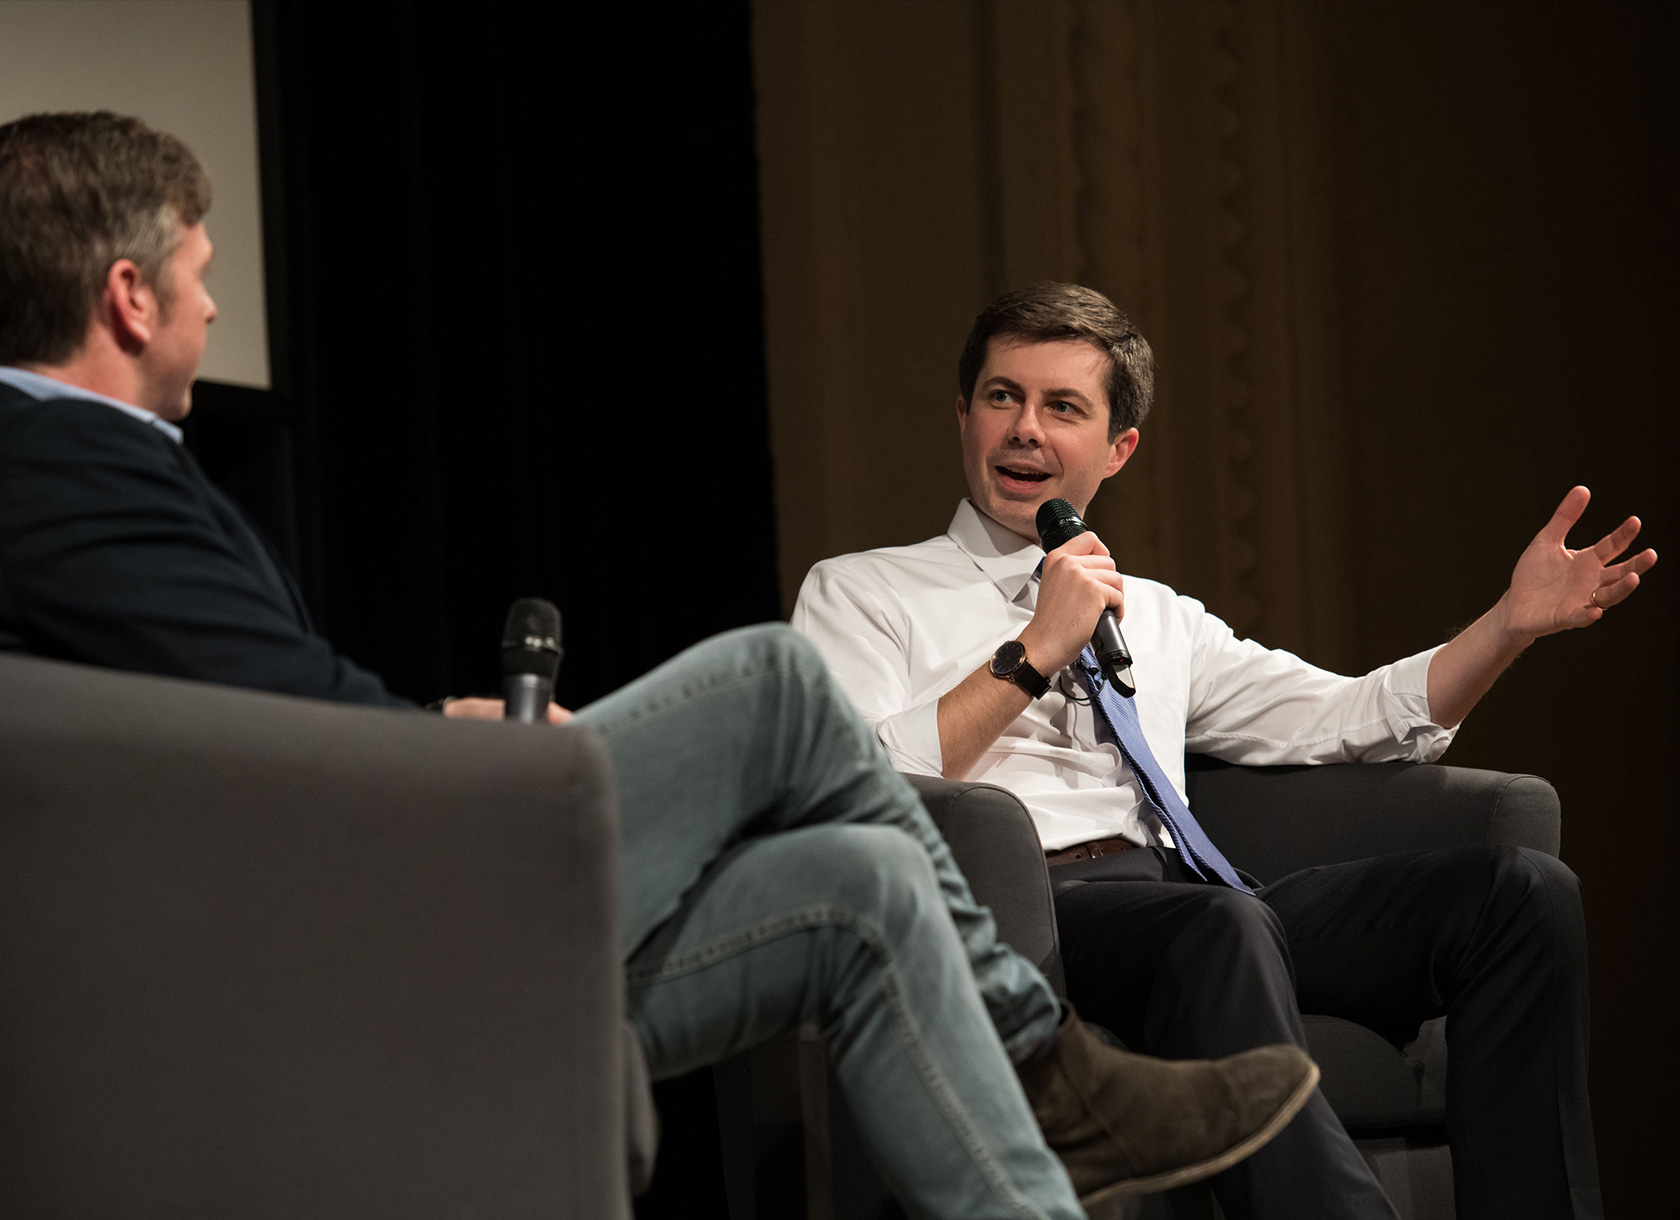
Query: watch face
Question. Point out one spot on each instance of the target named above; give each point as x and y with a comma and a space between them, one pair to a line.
1007, 659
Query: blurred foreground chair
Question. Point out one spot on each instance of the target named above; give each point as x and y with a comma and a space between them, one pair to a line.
270, 957
789, 1143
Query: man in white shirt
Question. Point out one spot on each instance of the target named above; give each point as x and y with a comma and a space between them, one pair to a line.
964, 652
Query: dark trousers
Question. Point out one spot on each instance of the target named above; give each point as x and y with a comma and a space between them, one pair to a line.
1491, 937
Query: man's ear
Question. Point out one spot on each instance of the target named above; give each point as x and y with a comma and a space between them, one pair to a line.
129, 306
1121, 452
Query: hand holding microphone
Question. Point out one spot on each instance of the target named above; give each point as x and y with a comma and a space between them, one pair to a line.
1059, 524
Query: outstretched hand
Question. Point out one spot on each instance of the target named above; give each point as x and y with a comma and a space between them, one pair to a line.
1554, 588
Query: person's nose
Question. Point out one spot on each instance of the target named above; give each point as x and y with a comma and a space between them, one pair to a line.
1025, 429
209, 308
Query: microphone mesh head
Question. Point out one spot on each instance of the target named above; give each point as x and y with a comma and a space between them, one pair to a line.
531, 638
1057, 523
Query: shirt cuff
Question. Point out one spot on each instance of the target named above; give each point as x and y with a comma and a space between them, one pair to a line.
911, 738
1409, 680
1410, 719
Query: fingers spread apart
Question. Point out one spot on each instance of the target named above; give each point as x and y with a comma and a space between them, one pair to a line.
1617, 540
1618, 591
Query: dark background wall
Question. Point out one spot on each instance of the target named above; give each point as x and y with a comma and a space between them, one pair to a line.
520, 350
1410, 269
1508, 266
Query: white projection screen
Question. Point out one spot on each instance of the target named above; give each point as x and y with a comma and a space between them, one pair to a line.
184, 66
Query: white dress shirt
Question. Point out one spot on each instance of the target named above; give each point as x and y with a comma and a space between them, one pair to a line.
901, 626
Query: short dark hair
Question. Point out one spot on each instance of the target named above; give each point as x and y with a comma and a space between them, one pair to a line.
1047, 312
77, 193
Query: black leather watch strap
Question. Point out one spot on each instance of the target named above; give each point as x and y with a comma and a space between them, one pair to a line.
1010, 662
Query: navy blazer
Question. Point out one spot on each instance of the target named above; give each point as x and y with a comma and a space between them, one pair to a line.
116, 550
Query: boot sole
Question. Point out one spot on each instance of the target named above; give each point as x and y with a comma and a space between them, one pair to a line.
1186, 1174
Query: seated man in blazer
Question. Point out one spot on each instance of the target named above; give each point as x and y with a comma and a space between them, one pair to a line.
837, 901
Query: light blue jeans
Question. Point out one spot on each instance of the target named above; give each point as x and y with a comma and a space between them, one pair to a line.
777, 871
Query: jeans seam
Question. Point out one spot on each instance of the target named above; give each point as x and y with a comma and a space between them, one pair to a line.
750, 938
865, 930
676, 698
750, 667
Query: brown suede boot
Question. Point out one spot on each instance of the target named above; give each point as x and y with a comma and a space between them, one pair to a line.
1132, 1124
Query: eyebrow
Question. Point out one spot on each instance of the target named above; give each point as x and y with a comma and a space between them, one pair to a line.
998, 379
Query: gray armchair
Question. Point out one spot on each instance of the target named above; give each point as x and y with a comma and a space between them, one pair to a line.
1275, 820
784, 1138
270, 957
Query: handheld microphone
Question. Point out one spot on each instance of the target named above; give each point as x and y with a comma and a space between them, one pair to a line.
1058, 523
530, 659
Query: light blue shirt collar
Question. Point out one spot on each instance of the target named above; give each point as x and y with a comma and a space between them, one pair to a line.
38, 386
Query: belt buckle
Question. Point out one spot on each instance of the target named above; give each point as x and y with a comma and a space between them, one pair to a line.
1073, 855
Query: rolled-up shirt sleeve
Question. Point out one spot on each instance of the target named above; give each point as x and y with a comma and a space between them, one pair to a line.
864, 645
1262, 707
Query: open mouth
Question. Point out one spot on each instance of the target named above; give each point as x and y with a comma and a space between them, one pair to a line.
1020, 474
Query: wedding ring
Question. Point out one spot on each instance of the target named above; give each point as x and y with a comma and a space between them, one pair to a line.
1593, 598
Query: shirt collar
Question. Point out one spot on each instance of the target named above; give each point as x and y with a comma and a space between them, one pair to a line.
1003, 555
38, 385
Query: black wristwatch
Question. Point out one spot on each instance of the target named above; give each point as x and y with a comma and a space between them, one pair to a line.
1010, 661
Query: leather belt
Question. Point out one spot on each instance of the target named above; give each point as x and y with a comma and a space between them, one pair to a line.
1089, 851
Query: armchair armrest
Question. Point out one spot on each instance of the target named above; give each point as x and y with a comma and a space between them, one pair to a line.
268, 956
992, 837
1272, 821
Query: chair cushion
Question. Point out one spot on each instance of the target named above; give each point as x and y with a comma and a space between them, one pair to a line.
1371, 1083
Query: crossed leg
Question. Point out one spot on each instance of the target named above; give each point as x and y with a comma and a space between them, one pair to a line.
776, 870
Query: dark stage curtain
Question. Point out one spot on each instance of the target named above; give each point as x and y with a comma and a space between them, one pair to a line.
519, 352
522, 330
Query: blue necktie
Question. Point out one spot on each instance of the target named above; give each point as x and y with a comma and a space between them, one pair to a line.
1119, 716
